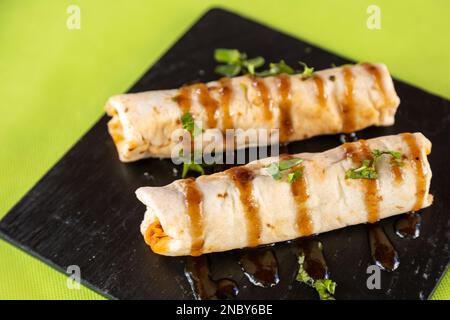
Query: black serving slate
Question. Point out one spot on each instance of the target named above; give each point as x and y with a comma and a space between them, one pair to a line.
84, 212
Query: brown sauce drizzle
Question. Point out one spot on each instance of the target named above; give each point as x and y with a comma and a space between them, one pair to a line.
321, 96
383, 252
285, 124
263, 93
421, 182
203, 286
194, 207
300, 192
184, 99
408, 226
242, 178
347, 112
371, 186
314, 263
260, 266
225, 97
398, 174
376, 74
208, 103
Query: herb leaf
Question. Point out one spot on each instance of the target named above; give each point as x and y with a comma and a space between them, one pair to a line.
275, 169
253, 63
307, 71
189, 125
324, 287
229, 56
192, 167
228, 70
236, 62
367, 170
302, 275
287, 164
396, 156
277, 68
293, 176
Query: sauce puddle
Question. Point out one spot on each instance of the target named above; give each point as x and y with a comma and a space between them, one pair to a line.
260, 266
408, 226
314, 263
383, 252
203, 286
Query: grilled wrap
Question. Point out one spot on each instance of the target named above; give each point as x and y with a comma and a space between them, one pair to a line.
343, 99
246, 207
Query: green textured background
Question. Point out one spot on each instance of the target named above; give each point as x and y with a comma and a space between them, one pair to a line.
54, 81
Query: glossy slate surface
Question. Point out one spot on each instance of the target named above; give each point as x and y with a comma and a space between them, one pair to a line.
83, 211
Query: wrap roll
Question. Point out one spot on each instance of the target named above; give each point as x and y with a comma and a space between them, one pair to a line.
343, 99
246, 207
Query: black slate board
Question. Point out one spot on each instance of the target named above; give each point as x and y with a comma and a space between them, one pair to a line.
83, 211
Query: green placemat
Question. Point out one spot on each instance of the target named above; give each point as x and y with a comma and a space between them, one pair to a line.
55, 80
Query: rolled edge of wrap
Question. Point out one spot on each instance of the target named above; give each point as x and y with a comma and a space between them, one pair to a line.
158, 230
124, 136
388, 111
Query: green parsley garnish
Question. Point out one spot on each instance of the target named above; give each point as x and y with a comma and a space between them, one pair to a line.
228, 56
252, 64
276, 68
307, 71
293, 176
396, 159
192, 167
228, 70
367, 170
324, 287
275, 169
188, 124
234, 62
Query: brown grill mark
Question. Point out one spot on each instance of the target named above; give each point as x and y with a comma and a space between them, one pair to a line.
376, 74
193, 198
184, 99
300, 192
358, 152
321, 96
225, 96
263, 93
348, 107
208, 103
397, 172
242, 178
285, 125
421, 182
